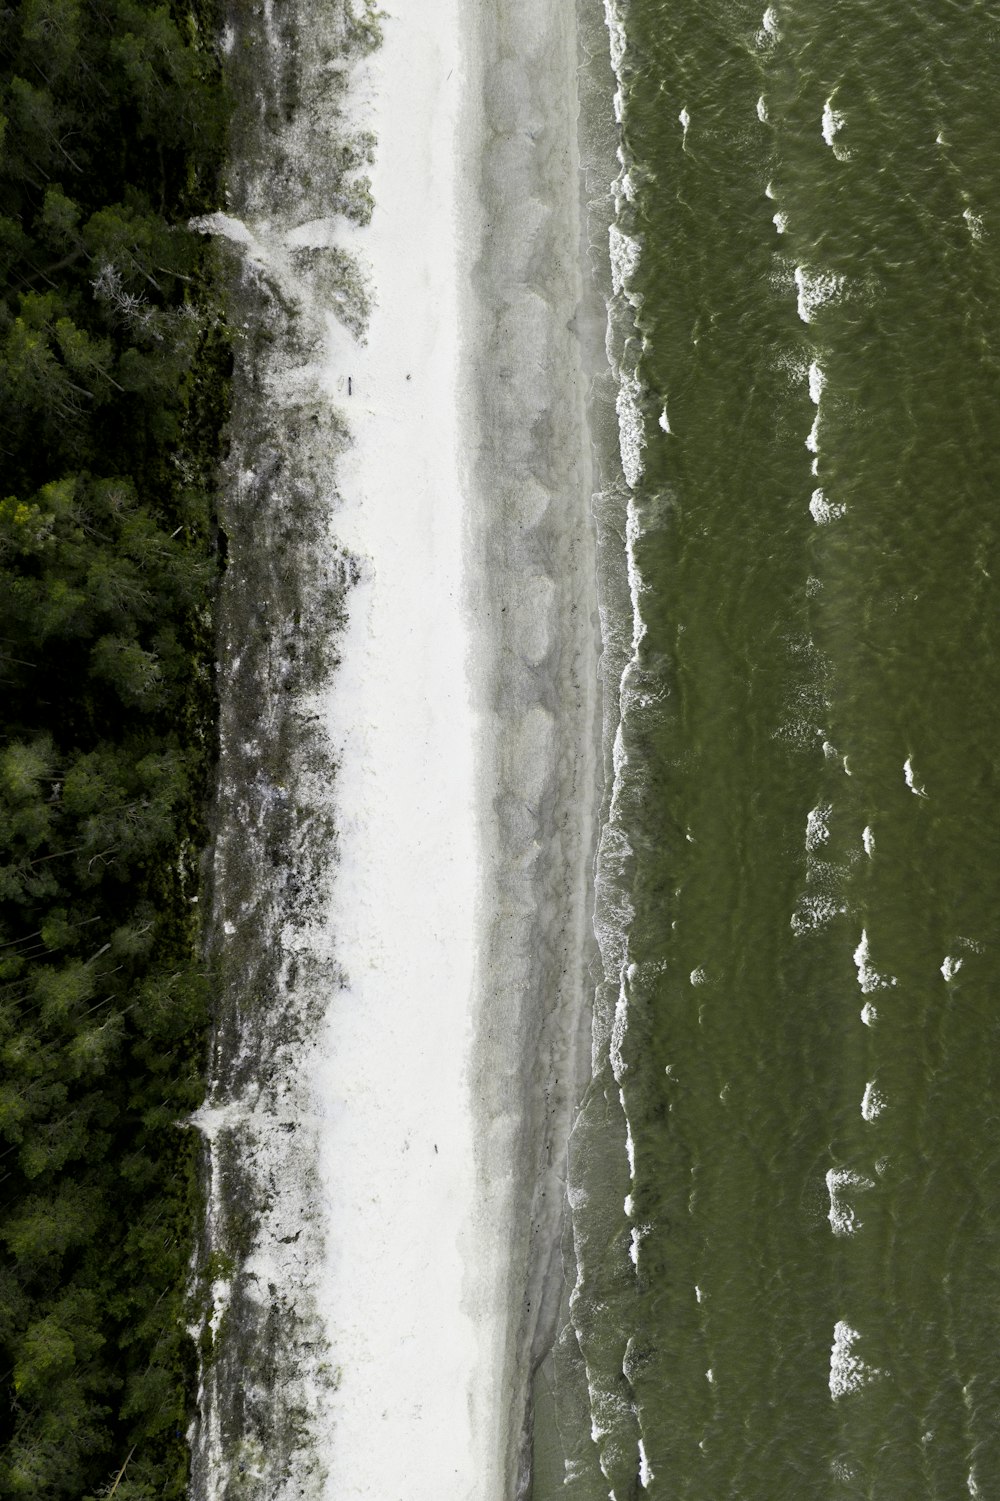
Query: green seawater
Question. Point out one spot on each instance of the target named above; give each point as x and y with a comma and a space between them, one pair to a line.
808, 1029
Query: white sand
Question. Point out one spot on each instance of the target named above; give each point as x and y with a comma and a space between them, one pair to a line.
416, 1346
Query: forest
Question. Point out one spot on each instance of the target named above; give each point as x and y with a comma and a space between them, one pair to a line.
114, 368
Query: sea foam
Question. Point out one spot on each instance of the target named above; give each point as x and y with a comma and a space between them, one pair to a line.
832, 124
814, 289
848, 1372
842, 1216
868, 976
824, 510
873, 1102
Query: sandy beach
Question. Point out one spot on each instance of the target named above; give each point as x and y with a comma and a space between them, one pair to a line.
464, 796
414, 1222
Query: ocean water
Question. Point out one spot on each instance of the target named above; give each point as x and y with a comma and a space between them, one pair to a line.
784, 1262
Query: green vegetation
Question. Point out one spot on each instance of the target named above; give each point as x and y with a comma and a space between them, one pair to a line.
113, 384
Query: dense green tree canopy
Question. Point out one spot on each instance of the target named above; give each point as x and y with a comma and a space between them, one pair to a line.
113, 364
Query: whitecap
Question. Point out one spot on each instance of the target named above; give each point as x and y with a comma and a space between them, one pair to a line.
665, 421
813, 912
762, 110
908, 774
639, 1233
814, 288
951, 967
769, 32
633, 531
868, 976
833, 122
624, 255
843, 1219
823, 510
698, 976
618, 1029
646, 1473
629, 1141
631, 438
848, 1372
868, 840
617, 39
869, 1015
817, 381
873, 1102
817, 826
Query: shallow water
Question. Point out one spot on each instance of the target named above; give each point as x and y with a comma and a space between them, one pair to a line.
785, 1261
